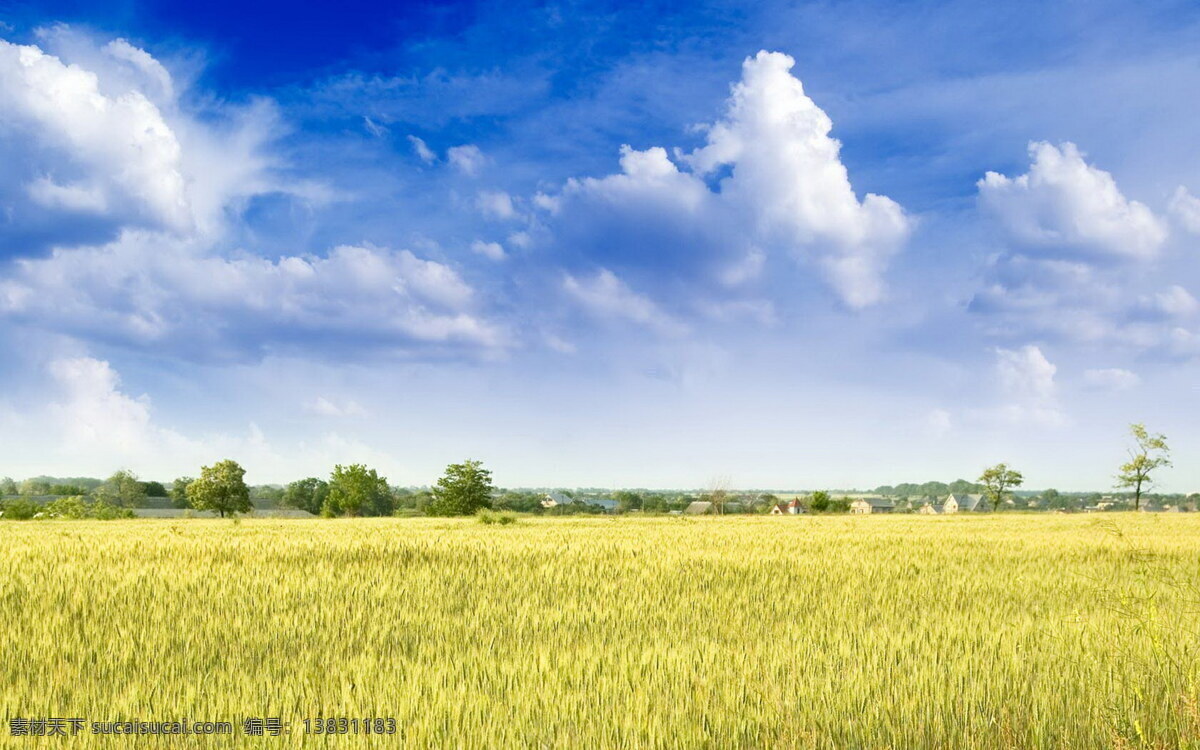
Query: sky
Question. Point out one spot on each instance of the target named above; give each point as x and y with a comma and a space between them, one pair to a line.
786, 245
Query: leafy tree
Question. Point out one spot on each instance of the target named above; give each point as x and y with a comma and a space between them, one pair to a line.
8, 487
840, 505
155, 489
819, 501
997, 481
122, 489
35, 487
306, 494
178, 492
355, 490
463, 490
267, 493
1149, 453
221, 487
66, 490
19, 509
627, 501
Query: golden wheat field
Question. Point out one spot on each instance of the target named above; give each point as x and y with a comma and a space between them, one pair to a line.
1015, 631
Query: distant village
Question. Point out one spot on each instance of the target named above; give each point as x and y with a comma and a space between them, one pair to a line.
42, 496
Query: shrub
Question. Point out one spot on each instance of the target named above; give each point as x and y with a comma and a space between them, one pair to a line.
77, 507
490, 517
18, 509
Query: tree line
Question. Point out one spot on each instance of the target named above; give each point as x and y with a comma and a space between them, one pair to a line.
465, 488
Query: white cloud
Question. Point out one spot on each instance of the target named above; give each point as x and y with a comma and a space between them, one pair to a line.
788, 175
96, 138
94, 411
1185, 208
1175, 302
609, 297
784, 189
119, 145
374, 128
423, 152
489, 250
467, 159
1111, 379
94, 426
1027, 389
145, 292
1067, 207
496, 204
325, 407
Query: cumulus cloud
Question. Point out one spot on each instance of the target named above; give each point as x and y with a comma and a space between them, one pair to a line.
96, 425
1075, 258
117, 148
95, 139
1111, 379
608, 297
142, 292
1185, 208
489, 250
1174, 302
1027, 387
768, 179
496, 204
467, 159
93, 411
1066, 207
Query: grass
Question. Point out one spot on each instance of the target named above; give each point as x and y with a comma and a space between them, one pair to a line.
1015, 631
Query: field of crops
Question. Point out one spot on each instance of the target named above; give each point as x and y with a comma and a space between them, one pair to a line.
1016, 631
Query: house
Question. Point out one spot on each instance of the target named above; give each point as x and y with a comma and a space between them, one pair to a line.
930, 509
608, 504
793, 508
865, 505
699, 508
556, 499
964, 503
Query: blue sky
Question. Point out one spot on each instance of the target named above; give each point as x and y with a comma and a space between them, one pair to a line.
794, 245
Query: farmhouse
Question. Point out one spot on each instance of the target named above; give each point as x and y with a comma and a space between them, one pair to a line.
866, 505
699, 508
793, 508
964, 503
555, 499
930, 509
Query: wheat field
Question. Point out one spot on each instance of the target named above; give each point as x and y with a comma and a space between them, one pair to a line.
1015, 631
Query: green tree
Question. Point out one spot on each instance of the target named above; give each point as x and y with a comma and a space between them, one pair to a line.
178, 492
122, 489
221, 487
627, 501
1150, 452
819, 501
997, 481
355, 490
1054, 499
66, 490
463, 490
35, 487
155, 489
8, 487
306, 494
